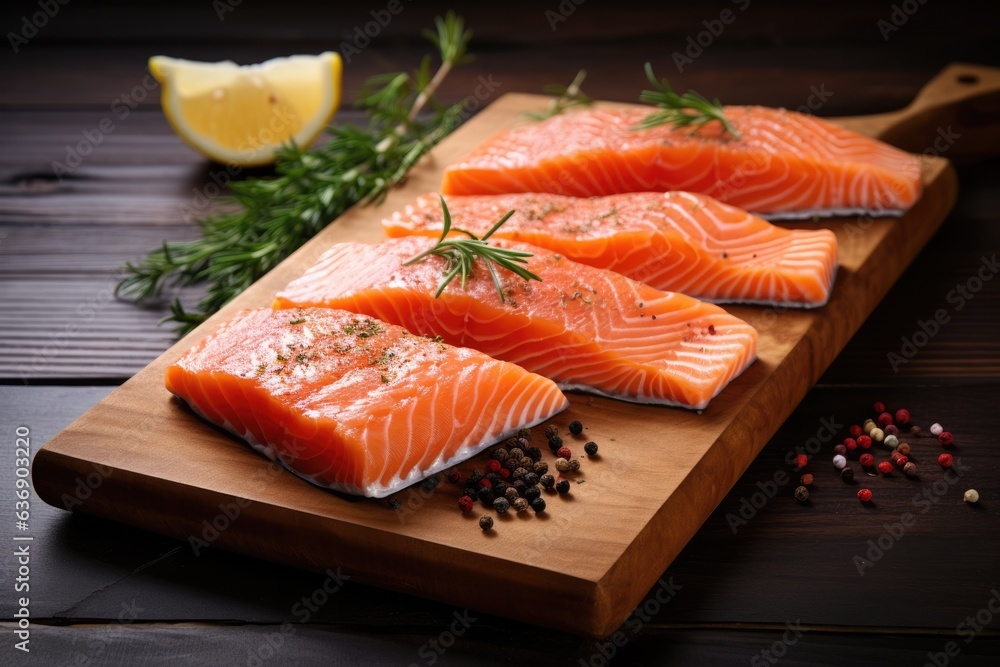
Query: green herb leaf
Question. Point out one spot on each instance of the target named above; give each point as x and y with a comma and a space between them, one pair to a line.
689, 109
461, 254
566, 98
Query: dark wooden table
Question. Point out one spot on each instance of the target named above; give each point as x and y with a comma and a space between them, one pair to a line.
795, 583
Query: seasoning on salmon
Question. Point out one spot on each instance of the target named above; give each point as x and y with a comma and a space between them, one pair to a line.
354, 404
784, 163
676, 241
583, 327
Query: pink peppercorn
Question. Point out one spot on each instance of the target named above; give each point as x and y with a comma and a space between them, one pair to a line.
564, 453
891, 429
505, 473
879, 406
850, 444
864, 495
945, 460
465, 504
946, 438
885, 419
884, 467
801, 460
855, 431
486, 483
866, 459
864, 441
902, 416
901, 461
840, 449
493, 465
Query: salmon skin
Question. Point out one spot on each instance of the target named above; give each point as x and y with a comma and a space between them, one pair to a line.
677, 241
585, 328
784, 165
353, 404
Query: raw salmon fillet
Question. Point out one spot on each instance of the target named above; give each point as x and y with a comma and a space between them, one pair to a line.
785, 164
583, 327
677, 241
354, 404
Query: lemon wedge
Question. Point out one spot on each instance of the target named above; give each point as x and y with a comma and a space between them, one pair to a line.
241, 115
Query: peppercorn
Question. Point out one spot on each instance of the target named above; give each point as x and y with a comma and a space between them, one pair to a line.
864, 495
472, 492
531, 493
864, 442
847, 474
454, 477
877, 434
519, 473
936, 429
540, 468
806, 480
517, 453
500, 454
840, 449
486, 495
524, 433
520, 486
902, 416
520, 504
524, 443
548, 481
562, 465
474, 478
971, 496
894, 455
901, 461
486, 523
890, 441
855, 431
531, 479
945, 438
885, 419
945, 460
575, 427
903, 448
526, 463
910, 469
801, 461
868, 426
395, 503
501, 505
510, 442
891, 429
879, 406
574, 465
485, 482
555, 443
538, 505
801, 494
884, 467
866, 460
562, 486
504, 473
534, 453
493, 465
839, 462
465, 503
500, 488
511, 494
564, 453
850, 444
551, 431
590, 448
915, 430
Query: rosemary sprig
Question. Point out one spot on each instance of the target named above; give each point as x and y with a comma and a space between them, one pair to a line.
270, 218
566, 98
461, 254
680, 110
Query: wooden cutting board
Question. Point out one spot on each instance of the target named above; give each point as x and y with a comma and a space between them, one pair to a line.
141, 458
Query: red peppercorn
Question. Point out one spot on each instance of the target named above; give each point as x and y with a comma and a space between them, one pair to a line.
902, 416
504, 472
885, 419
945, 460
851, 444
864, 495
866, 459
806, 479
902, 460
564, 453
891, 429
864, 442
801, 460
465, 504
884, 467
946, 438
485, 483
855, 431
493, 465
879, 406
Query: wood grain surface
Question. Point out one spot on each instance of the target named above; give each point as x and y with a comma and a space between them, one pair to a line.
175, 470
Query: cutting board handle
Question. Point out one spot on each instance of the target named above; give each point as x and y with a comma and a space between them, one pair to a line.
956, 115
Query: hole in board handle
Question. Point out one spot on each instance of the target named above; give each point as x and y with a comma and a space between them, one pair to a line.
968, 79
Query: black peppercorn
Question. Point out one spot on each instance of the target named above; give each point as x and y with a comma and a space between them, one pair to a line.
551, 431
516, 453
520, 486
531, 478
575, 427
541, 468
470, 491
555, 443
486, 495
454, 477
524, 443
501, 505
538, 504
531, 493
525, 433
526, 463
494, 478
519, 504
510, 442
395, 503
500, 488
519, 473
511, 464
562, 486
590, 448
548, 481
847, 474
500, 454
486, 523
802, 494
534, 453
